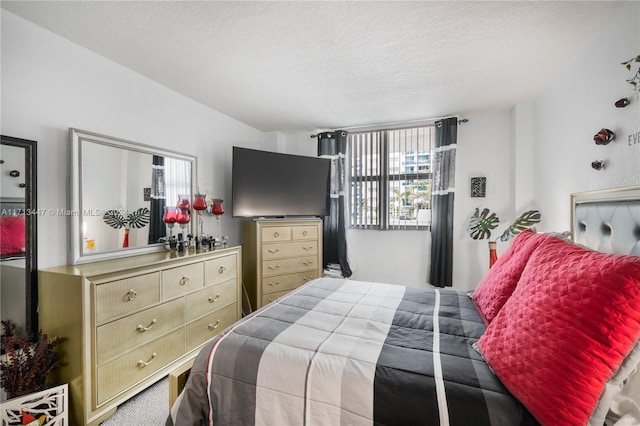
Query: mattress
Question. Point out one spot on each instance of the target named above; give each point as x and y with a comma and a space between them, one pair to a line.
350, 352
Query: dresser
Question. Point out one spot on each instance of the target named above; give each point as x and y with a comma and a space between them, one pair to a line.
129, 321
279, 256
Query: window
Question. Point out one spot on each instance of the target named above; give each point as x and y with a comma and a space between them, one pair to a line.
177, 175
390, 178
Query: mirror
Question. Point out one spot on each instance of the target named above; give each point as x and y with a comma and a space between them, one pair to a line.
119, 191
18, 236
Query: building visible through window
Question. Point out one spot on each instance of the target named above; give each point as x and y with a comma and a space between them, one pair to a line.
390, 178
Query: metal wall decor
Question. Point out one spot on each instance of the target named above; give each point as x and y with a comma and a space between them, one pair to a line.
603, 137
478, 187
622, 102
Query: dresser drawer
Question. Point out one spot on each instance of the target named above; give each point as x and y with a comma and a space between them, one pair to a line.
116, 298
304, 232
292, 249
119, 374
268, 298
210, 299
208, 327
275, 233
183, 279
286, 266
126, 333
221, 269
286, 282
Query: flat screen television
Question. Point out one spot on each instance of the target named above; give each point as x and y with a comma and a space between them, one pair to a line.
270, 184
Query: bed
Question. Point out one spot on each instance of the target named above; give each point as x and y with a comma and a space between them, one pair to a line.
12, 229
549, 336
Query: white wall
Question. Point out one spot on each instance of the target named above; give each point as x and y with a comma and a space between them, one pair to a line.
50, 84
521, 160
578, 104
484, 149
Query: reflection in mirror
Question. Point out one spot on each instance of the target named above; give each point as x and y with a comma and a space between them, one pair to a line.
119, 194
18, 237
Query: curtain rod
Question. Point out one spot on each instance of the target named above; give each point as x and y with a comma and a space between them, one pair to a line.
375, 128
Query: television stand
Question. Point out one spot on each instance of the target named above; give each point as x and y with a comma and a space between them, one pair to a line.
279, 255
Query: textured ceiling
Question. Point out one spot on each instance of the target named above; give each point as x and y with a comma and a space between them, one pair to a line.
309, 65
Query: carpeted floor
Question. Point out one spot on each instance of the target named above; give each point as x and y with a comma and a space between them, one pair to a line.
149, 408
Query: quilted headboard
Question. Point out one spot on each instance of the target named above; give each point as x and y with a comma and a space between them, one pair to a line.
608, 220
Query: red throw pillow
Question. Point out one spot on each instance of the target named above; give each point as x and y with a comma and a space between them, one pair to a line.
572, 320
496, 287
12, 235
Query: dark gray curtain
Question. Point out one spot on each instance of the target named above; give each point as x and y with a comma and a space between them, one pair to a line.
442, 192
333, 145
157, 228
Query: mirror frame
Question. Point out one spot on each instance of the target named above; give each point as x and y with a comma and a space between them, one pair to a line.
31, 229
76, 137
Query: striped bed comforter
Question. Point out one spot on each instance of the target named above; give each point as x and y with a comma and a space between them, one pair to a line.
343, 352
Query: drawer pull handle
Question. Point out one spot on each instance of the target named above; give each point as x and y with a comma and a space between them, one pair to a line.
141, 328
272, 251
143, 364
184, 280
276, 234
214, 326
307, 263
274, 284
221, 270
304, 233
273, 268
307, 248
306, 278
131, 295
213, 299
